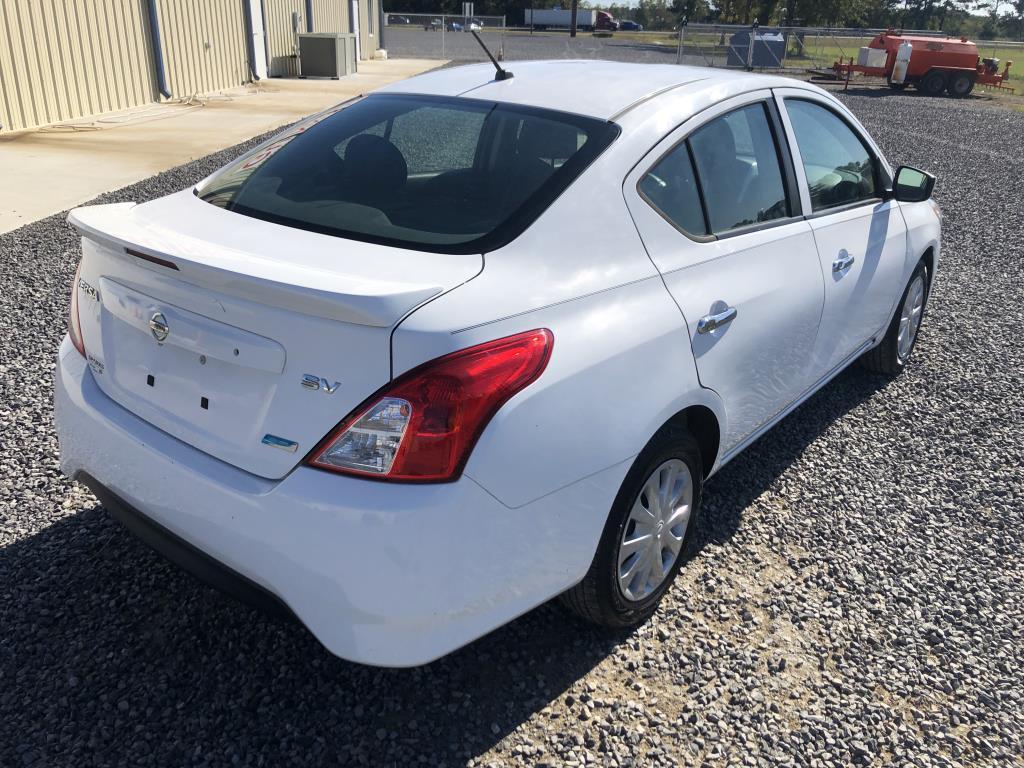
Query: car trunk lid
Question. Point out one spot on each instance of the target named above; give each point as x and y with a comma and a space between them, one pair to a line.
243, 338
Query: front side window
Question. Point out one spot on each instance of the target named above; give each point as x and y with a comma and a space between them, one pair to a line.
839, 168
433, 173
739, 171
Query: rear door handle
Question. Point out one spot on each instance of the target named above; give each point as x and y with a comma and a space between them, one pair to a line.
708, 323
843, 262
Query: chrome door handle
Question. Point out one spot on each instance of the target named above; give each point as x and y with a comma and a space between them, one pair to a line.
842, 262
708, 323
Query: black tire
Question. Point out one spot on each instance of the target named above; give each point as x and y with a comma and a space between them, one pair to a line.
598, 598
885, 358
960, 85
934, 83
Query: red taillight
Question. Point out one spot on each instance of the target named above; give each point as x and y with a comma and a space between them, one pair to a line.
74, 326
423, 425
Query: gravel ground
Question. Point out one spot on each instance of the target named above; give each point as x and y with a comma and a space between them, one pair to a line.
858, 596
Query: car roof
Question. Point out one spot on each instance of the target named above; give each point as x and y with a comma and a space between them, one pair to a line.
602, 89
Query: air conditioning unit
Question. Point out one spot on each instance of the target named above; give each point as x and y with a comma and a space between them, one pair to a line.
327, 54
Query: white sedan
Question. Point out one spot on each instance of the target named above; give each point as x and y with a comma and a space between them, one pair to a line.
433, 357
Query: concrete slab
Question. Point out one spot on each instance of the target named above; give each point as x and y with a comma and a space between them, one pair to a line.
51, 169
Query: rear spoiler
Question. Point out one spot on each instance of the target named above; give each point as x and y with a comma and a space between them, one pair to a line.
260, 277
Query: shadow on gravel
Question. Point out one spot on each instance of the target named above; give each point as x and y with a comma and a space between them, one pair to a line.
883, 90
875, 92
667, 50
110, 654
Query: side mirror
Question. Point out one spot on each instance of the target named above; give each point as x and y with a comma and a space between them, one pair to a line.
912, 185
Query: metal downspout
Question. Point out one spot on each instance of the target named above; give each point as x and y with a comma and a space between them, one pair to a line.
309, 15
158, 51
250, 43
266, 41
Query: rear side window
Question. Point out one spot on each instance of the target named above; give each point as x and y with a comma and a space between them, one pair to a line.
739, 170
839, 168
725, 176
671, 187
432, 173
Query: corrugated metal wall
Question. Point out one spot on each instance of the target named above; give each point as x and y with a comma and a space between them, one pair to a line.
328, 16
63, 59
367, 41
204, 45
277, 16
67, 59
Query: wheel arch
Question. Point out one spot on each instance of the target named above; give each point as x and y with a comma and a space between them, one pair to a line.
703, 424
930, 262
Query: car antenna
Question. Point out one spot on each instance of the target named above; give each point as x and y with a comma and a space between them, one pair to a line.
502, 74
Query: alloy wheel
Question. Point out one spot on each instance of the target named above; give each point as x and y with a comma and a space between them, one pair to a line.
910, 318
654, 533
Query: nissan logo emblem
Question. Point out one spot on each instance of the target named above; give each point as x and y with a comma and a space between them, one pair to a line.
158, 327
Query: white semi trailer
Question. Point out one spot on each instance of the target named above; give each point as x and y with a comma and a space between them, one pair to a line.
547, 18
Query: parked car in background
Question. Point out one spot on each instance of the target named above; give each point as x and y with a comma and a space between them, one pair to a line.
303, 379
433, 25
454, 26
630, 26
393, 19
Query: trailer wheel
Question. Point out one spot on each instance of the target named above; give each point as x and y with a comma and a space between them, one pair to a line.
960, 85
934, 83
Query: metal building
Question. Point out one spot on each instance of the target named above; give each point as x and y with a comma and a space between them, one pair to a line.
286, 18
66, 59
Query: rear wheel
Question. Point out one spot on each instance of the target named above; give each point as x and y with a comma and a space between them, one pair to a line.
646, 536
891, 355
934, 83
960, 85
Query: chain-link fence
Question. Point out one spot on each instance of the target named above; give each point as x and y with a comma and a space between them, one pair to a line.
711, 45
437, 36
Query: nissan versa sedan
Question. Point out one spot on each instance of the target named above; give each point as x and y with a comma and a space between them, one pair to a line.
446, 351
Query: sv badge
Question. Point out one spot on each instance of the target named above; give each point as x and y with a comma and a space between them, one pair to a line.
309, 381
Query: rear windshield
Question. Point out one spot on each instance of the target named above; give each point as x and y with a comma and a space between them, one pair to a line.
432, 173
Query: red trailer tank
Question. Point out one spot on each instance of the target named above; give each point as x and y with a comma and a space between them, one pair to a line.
930, 52
936, 64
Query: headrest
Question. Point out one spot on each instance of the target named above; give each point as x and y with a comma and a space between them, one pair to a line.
547, 139
721, 147
375, 162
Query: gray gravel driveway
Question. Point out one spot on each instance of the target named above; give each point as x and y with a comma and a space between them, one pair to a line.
858, 596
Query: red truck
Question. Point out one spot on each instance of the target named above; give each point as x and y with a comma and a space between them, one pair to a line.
931, 64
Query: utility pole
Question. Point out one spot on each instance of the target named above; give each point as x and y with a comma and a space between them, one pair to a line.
572, 23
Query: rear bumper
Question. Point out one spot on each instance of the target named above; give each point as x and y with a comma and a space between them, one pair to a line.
184, 555
385, 574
